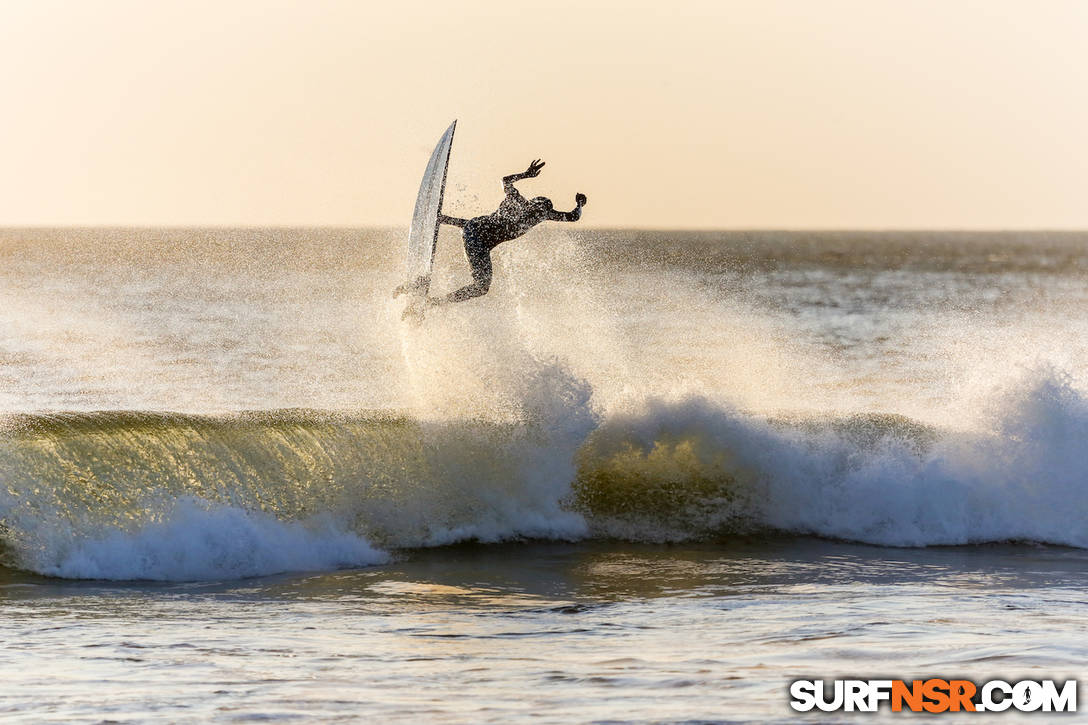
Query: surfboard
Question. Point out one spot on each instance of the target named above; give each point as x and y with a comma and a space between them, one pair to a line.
423, 233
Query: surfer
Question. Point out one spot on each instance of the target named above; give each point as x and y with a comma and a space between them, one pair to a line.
515, 216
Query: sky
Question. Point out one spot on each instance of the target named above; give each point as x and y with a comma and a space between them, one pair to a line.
682, 114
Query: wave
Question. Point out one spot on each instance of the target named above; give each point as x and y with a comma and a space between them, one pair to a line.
80, 487
695, 470
133, 495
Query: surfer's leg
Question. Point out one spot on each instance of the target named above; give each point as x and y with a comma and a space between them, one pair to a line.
480, 261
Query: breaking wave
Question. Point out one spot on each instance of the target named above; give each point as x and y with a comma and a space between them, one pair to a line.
695, 470
133, 495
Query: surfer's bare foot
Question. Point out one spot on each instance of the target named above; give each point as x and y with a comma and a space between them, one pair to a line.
401, 289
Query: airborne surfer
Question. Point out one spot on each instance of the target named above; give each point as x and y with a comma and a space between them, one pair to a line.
515, 216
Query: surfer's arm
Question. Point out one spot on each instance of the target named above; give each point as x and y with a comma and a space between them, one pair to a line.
532, 172
569, 216
566, 216
452, 220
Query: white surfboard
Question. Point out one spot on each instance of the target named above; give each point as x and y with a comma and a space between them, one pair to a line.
423, 234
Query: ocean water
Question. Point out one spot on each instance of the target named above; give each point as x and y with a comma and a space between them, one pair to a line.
652, 476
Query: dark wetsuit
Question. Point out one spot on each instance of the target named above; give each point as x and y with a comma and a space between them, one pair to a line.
515, 216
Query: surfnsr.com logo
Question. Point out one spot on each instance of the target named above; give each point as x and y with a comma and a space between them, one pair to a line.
933, 695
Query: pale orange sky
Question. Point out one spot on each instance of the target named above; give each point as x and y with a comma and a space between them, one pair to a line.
812, 113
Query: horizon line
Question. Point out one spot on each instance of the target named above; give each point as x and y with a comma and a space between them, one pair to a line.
799, 229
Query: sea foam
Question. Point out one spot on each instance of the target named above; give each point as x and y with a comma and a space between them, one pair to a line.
195, 540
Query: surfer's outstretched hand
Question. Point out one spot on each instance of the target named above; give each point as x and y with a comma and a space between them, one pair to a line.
534, 169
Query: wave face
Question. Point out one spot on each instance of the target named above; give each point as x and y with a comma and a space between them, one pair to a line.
157, 496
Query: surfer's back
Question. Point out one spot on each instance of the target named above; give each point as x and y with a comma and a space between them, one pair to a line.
515, 216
